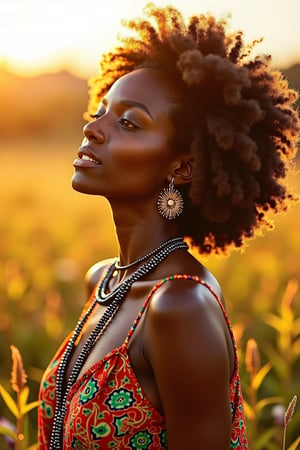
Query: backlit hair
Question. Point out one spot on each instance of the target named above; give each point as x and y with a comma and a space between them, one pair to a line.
236, 115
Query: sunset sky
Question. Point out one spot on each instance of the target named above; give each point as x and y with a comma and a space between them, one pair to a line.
39, 36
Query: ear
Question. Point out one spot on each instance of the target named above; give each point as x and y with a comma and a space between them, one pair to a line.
182, 169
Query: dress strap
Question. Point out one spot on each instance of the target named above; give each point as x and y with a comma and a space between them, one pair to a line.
171, 278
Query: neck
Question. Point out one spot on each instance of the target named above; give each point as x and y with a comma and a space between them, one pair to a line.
138, 234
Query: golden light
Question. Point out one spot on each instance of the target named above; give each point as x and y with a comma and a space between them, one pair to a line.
39, 35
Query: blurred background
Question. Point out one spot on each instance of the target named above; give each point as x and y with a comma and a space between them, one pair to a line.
50, 235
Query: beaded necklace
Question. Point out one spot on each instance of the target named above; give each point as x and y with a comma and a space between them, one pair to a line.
153, 252
104, 297
113, 299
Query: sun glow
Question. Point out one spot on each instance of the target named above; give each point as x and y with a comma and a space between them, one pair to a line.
38, 35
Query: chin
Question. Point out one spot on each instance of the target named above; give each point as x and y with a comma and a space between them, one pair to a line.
79, 186
84, 186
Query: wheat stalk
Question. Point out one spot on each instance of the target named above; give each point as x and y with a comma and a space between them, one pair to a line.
18, 381
252, 358
288, 417
18, 375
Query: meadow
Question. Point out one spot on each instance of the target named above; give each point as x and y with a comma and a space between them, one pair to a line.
50, 235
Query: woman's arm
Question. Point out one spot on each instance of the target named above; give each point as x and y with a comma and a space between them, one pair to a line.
187, 349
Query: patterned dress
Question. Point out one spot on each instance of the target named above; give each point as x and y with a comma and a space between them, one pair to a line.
107, 408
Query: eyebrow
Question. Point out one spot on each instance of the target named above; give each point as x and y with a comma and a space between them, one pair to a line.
127, 102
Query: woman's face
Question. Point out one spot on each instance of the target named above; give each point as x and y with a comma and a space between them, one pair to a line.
127, 149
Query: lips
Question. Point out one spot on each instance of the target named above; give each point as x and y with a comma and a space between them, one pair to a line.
86, 158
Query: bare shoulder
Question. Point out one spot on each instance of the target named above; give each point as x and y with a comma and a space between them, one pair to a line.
187, 346
186, 291
185, 315
186, 300
94, 273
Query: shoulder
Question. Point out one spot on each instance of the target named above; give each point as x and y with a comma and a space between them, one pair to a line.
190, 305
185, 293
186, 343
95, 272
185, 317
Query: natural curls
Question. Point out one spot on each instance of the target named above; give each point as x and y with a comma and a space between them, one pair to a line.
233, 112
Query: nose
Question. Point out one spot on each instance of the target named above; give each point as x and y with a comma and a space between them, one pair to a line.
93, 132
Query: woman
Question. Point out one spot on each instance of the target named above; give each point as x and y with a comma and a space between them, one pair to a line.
188, 138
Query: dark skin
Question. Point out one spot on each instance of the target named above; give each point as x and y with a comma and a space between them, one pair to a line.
181, 352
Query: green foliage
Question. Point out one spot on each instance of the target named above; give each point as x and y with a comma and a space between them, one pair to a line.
50, 235
277, 375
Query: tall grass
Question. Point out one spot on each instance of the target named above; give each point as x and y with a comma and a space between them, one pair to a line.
50, 235
17, 435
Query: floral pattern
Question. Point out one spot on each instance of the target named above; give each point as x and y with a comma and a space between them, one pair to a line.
89, 391
107, 409
141, 440
120, 399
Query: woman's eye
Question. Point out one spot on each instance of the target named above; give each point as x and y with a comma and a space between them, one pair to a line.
127, 124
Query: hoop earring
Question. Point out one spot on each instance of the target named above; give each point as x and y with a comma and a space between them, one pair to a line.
170, 202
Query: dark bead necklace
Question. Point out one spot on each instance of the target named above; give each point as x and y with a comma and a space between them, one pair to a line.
103, 295
151, 253
113, 301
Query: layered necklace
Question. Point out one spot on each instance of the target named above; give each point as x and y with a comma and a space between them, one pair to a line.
113, 300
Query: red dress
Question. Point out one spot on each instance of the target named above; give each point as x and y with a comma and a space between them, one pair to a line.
107, 408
